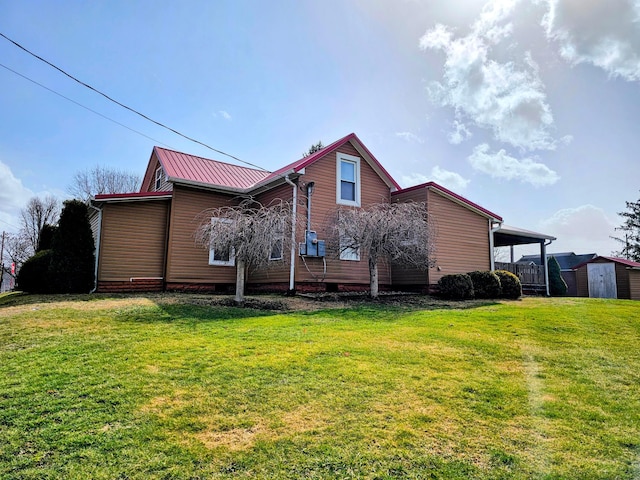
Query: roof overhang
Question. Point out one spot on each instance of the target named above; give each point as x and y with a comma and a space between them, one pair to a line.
506, 235
130, 197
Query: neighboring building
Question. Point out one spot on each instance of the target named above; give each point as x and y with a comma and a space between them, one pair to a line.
144, 240
8, 282
567, 261
609, 277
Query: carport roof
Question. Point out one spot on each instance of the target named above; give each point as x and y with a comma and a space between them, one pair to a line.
507, 235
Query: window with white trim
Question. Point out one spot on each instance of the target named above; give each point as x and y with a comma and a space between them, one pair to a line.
221, 258
347, 180
158, 178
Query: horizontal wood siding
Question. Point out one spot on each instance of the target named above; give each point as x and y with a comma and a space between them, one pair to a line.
187, 262
402, 275
634, 284
323, 204
582, 282
622, 281
278, 271
133, 240
461, 238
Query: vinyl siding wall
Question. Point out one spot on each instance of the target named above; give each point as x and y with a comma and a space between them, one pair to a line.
133, 240
323, 204
186, 261
401, 274
278, 271
149, 182
462, 238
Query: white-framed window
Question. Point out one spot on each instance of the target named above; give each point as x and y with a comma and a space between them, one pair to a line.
347, 180
158, 178
217, 257
348, 252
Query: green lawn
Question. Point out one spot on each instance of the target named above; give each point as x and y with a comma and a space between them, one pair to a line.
154, 387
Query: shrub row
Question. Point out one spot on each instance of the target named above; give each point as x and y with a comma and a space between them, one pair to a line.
465, 286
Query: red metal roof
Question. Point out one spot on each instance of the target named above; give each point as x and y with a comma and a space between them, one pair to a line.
190, 168
446, 191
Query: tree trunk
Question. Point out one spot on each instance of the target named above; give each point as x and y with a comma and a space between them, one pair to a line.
373, 276
240, 270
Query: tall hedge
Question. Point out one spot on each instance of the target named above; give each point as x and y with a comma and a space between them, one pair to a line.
73, 259
557, 285
35, 274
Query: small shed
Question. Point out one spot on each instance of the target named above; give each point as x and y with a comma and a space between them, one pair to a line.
608, 277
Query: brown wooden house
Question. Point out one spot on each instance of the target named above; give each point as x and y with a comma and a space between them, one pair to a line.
145, 241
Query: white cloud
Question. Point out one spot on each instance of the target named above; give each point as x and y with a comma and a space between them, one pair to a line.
450, 180
409, 137
584, 229
507, 98
13, 197
224, 114
502, 165
604, 34
459, 134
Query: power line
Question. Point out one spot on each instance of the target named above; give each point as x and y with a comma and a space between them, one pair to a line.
127, 107
83, 106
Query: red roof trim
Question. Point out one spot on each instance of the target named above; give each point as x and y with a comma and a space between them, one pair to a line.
134, 195
622, 261
446, 191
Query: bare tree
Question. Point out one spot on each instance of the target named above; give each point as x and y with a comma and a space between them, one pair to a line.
88, 183
249, 235
38, 213
17, 249
400, 232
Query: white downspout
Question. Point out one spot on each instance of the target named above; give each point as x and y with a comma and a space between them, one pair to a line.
99, 234
546, 267
492, 230
292, 268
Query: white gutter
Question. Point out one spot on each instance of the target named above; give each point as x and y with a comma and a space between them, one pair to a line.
99, 234
292, 268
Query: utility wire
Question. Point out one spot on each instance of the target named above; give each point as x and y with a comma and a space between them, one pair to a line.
85, 107
127, 107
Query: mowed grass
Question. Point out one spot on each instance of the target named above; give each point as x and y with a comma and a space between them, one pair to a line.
137, 387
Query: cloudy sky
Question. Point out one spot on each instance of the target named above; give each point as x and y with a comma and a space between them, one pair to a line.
529, 108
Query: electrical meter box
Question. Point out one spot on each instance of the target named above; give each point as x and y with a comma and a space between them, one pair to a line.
312, 247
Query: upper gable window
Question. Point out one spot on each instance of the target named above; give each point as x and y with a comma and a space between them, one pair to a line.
348, 179
158, 183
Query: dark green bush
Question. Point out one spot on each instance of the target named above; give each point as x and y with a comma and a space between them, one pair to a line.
34, 276
510, 284
557, 285
485, 284
456, 287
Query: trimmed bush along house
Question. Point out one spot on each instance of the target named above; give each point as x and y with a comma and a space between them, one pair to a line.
145, 240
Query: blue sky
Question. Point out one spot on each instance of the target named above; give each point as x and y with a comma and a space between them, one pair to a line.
528, 107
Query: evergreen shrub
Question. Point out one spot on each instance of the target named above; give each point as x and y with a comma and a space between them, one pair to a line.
34, 275
510, 284
485, 284
456, 287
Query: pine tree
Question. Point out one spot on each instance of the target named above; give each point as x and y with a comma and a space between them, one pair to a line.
72, 264
631, 229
